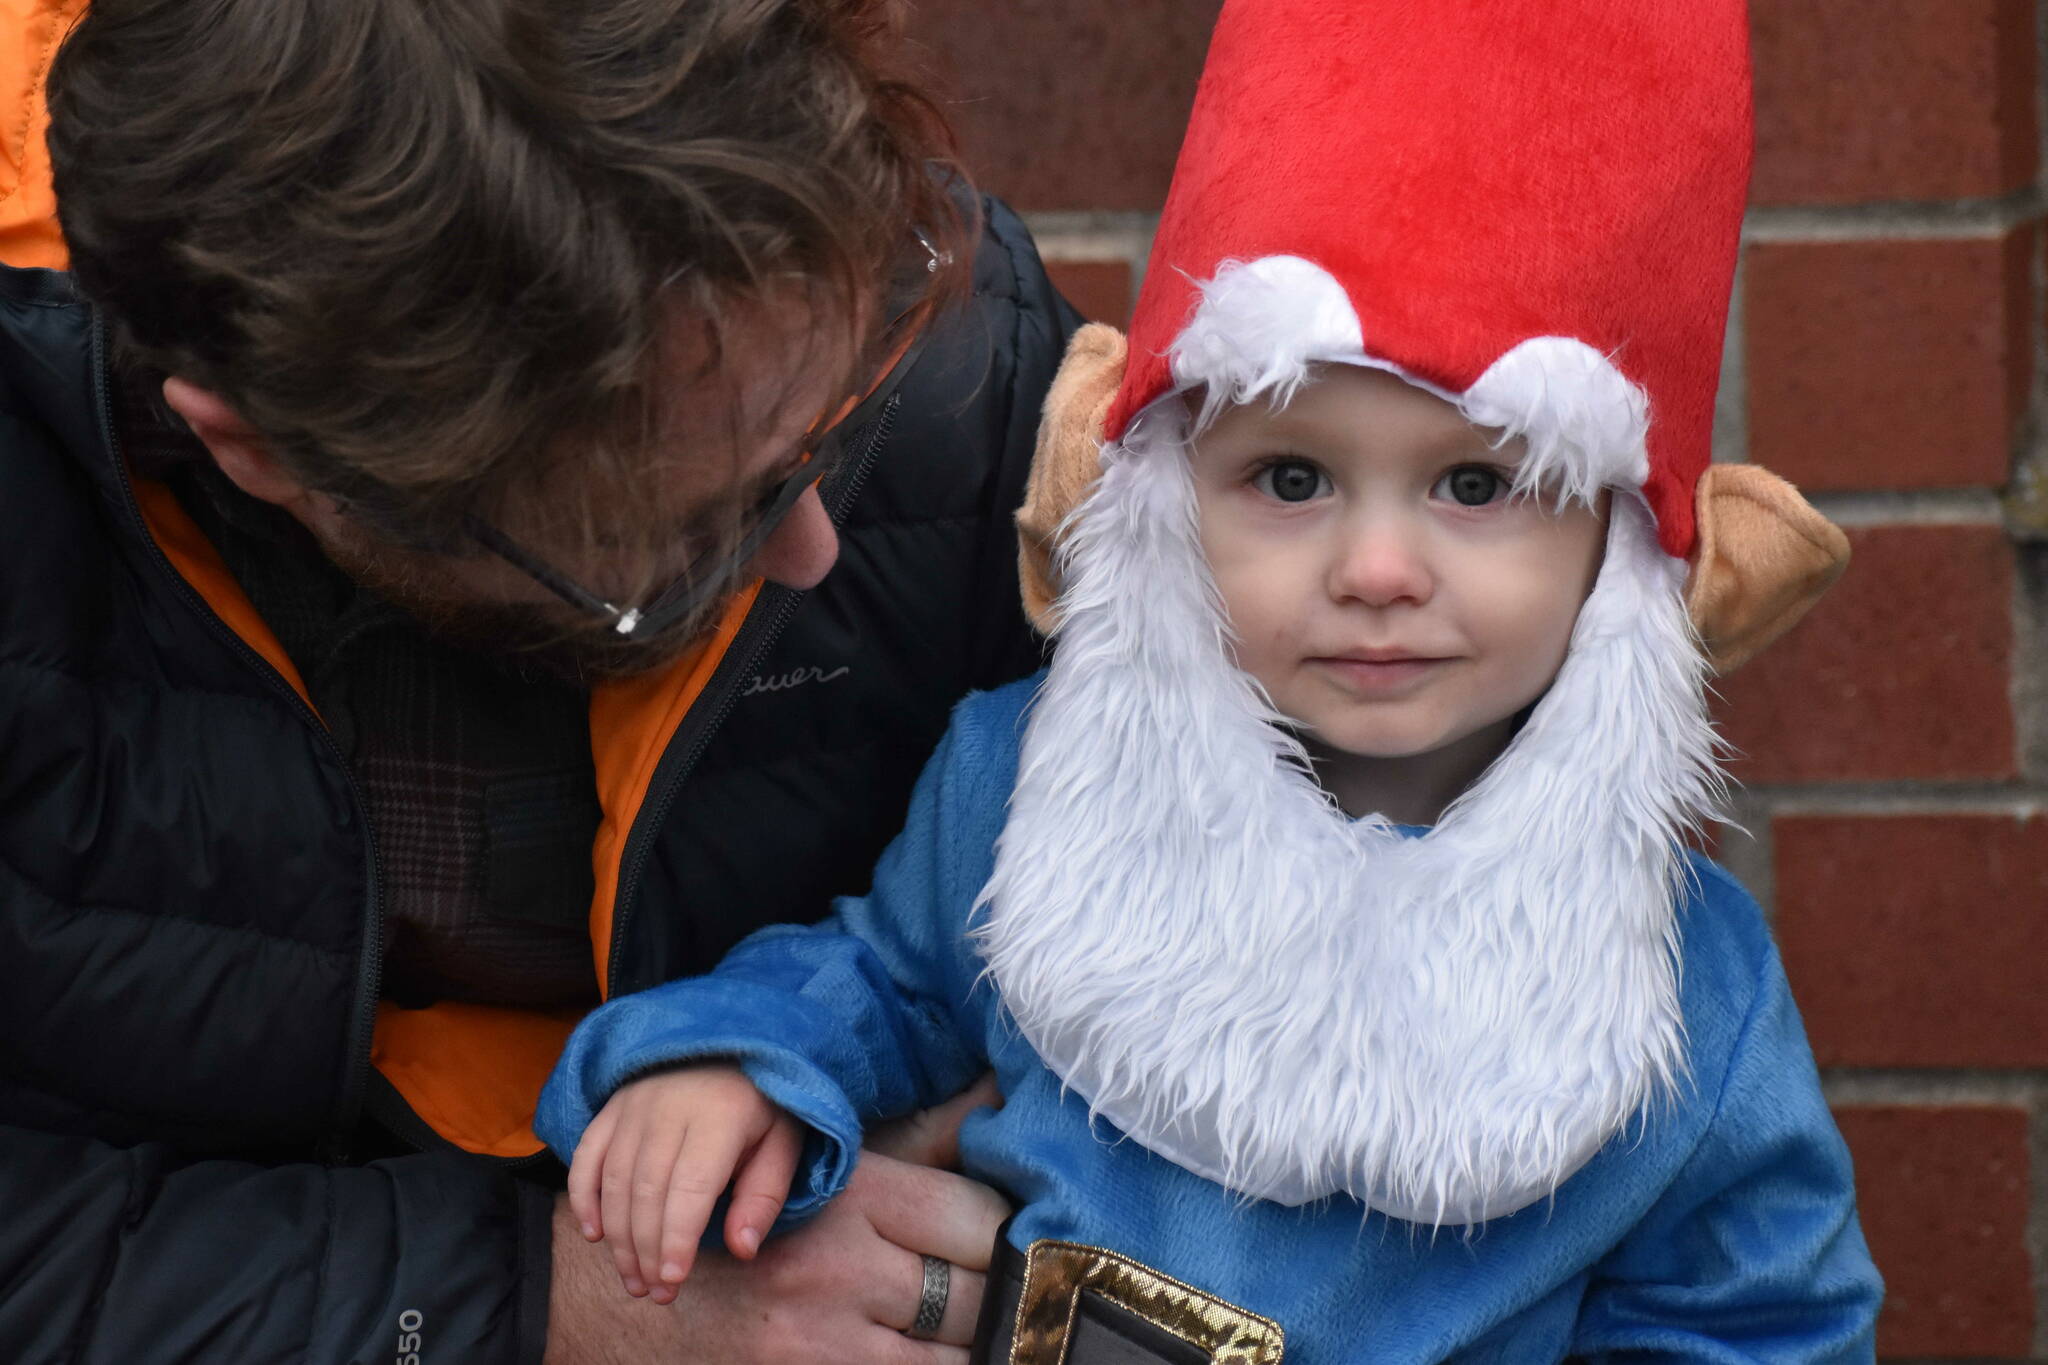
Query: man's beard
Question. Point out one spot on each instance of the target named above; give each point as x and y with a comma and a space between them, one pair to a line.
1294, 1004
530, 640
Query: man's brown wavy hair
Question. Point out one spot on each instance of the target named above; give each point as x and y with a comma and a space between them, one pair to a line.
426, 246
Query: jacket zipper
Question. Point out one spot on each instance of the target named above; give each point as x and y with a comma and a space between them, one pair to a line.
370, 966
760, 630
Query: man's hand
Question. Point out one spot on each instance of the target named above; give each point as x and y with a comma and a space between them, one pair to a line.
842, 1288
658, 1155
931, 1137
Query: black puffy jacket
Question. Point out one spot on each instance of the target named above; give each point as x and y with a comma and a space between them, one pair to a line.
189, 919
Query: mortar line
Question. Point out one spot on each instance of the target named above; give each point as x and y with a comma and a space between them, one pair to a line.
1748, 853
1910, 507
2030, 658
2026, 502
2026, 498
2014, 801
1972, 1087
1915, 220
1731, 396
1071, 236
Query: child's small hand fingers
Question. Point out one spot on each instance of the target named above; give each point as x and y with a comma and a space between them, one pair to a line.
621, 1169
584, 1171
762, 1186
662, 1148
702, 1171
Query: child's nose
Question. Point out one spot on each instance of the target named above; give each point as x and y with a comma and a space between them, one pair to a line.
1380, 566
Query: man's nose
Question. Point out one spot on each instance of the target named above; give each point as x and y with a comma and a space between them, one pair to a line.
799, 552
1380, 562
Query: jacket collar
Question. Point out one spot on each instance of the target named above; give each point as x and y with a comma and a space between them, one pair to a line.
53, 355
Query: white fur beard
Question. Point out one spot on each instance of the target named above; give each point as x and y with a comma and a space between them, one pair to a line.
1293, 1004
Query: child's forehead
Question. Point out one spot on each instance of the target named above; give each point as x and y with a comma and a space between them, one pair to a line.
1354, 405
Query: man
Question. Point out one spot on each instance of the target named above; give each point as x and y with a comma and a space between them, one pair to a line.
416, 507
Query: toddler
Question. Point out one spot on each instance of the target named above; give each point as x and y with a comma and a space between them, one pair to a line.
1328, 891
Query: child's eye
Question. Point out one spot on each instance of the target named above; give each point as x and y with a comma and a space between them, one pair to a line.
1471, 485
1290, 480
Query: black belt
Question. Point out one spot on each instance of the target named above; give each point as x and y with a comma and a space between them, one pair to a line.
1061, 1303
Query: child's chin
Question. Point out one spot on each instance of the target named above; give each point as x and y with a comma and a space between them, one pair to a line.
1379, 741
1390, 753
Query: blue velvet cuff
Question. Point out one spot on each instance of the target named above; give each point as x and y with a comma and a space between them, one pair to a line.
696, 1020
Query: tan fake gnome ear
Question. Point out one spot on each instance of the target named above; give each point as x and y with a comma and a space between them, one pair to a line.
1068, 459
1764, 556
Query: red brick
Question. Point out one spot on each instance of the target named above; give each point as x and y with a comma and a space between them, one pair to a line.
1709, 839
1943, 1197
1902, 671
1888, 364
1861, 100
1916, 940
1069, 105
1100, 289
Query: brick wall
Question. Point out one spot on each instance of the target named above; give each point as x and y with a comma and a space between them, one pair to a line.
1887, 356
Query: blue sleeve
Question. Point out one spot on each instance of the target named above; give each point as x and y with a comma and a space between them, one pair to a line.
860, 1017
1753, 1253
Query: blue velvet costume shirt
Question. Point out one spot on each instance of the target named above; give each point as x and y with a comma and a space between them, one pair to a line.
1721, 1228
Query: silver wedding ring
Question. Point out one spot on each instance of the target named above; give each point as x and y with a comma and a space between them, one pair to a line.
931, 1298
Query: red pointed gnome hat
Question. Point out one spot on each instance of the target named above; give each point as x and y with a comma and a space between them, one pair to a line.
1530, 207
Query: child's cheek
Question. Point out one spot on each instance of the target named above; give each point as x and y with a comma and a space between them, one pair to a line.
1534, 626
1246, 595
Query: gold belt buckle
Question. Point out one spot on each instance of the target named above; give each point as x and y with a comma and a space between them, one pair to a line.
1058, 1274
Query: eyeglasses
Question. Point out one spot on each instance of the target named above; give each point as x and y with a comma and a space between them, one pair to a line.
708, 577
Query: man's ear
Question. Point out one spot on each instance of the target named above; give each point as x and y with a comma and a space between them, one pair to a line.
1764, 557
1068, 459
238, 448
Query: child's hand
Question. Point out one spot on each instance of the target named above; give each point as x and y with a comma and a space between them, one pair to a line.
657, 1157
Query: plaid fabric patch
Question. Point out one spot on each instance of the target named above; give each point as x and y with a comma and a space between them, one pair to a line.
481, 794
